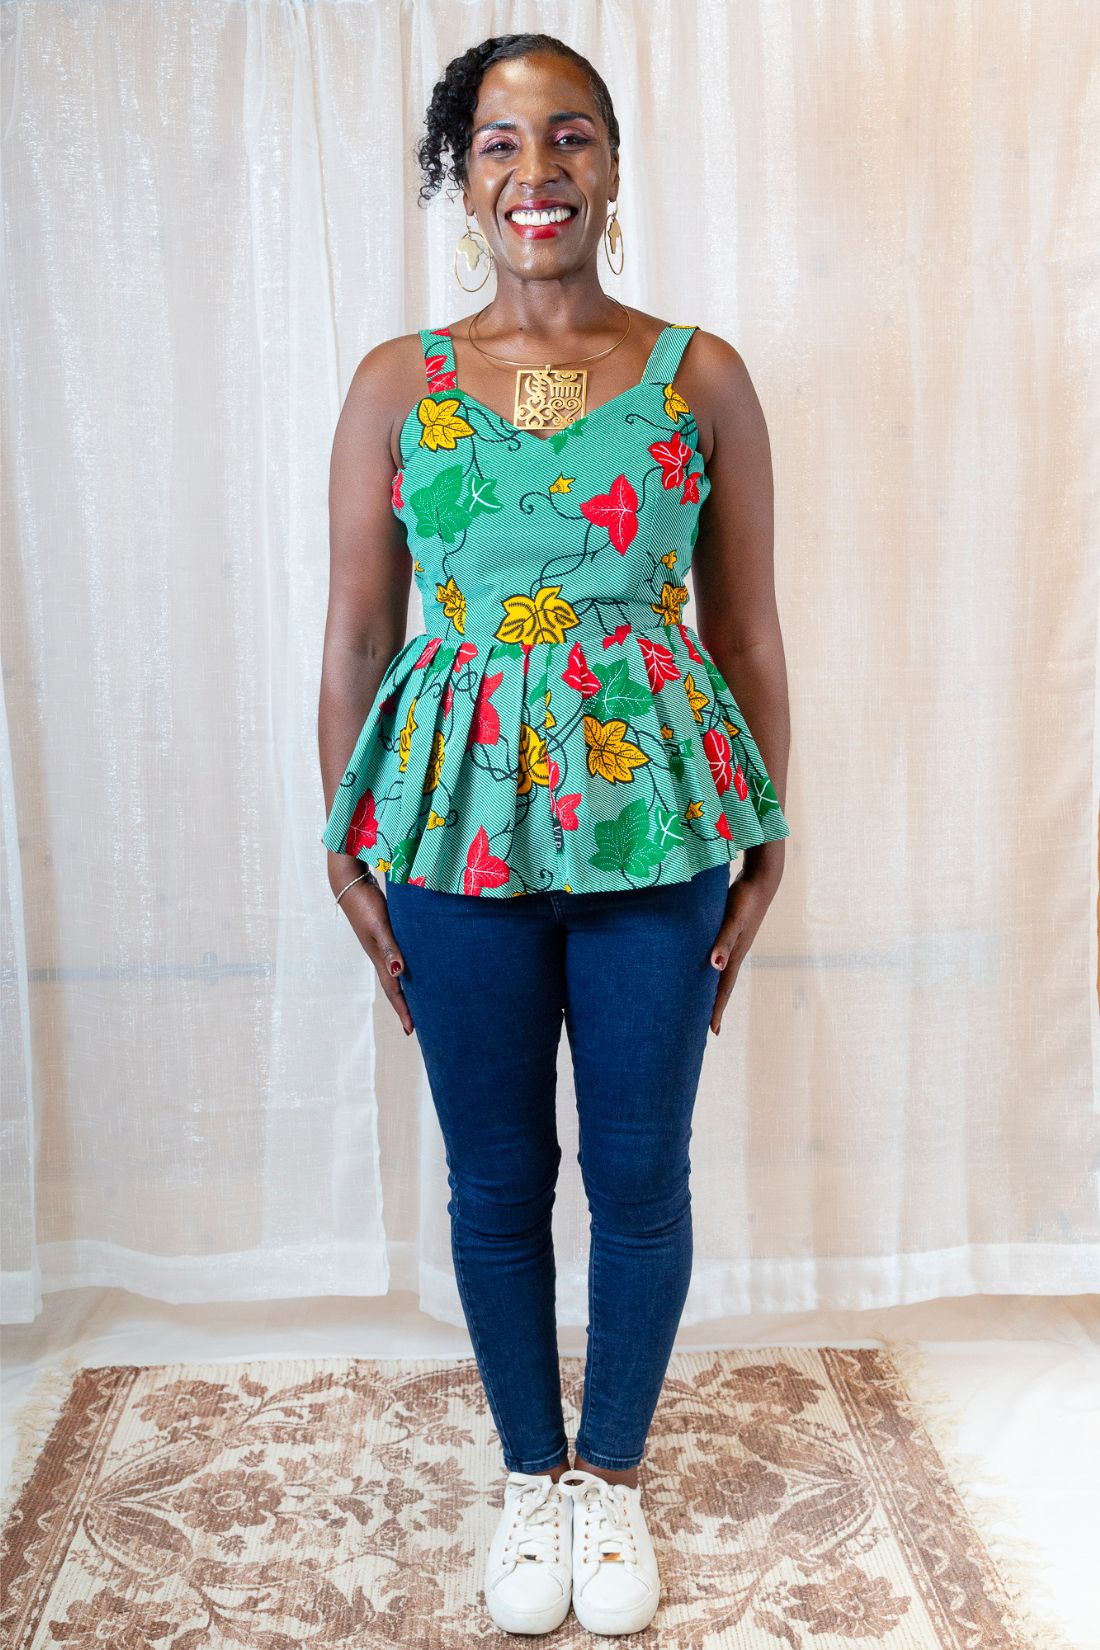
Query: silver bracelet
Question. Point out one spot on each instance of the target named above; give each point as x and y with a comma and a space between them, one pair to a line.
367, 876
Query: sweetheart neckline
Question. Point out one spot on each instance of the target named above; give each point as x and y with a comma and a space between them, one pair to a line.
514, 429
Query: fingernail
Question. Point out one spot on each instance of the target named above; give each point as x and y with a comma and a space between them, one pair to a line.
395, 968
719, 961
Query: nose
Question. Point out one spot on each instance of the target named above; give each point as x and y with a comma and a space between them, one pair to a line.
537, 166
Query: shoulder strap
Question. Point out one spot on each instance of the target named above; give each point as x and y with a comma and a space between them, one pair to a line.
439, 358
664, 358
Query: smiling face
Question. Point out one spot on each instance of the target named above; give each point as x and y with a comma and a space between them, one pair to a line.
539, 142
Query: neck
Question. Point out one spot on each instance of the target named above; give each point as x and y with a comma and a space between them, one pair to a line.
555, 317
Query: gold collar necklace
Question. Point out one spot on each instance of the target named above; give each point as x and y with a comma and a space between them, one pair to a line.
548, 398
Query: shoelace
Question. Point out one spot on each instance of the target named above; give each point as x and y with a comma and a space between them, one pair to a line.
535, 1517
604, 1510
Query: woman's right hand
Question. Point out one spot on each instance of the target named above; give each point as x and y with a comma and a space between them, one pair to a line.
365, 907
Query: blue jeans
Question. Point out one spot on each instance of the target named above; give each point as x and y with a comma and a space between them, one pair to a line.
488, 982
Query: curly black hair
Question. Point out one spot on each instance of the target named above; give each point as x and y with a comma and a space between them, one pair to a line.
450, 117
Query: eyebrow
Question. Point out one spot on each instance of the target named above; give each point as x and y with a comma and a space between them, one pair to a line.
510, 125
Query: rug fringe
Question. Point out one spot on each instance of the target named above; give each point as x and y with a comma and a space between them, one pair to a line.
1022, 1566
33, 1422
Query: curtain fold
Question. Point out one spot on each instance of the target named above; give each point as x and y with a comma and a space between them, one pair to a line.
209, 216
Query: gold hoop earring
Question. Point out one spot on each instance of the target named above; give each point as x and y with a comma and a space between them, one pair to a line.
612, 239
467, 245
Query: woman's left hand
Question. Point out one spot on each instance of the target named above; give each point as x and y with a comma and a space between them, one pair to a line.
746, 906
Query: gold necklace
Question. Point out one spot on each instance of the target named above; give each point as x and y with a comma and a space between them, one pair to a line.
548, 398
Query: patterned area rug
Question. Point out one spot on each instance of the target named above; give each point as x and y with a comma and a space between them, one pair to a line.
798, 1496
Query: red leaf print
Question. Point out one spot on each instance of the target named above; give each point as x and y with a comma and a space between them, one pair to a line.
674, 457
483, 868
722, 826
616, 510
448, 699
438, 380
577, 674
468, 650
690, 494
660, 666
485, 727
387, 704
690, 645
563, 807
617, 634
363, 828
566, 809
395, 491
527, 646
717, 747
429, 653
739, 783
420, 881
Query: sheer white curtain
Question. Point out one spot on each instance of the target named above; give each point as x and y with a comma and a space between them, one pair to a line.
209, 216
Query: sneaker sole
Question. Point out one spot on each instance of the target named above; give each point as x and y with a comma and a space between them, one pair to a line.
529, 1621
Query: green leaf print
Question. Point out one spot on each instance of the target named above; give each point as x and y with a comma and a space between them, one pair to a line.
403, 857
620, 696
439, 513
623, 844
667, 829
676, 764
560, 437
763, 794
481, 498
440, 660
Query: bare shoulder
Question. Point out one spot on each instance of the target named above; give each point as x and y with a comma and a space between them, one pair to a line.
385, 386
716, 384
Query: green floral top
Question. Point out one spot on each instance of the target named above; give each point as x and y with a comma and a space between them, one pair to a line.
557, 725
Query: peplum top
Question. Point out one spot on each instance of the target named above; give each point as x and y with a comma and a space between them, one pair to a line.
556, 725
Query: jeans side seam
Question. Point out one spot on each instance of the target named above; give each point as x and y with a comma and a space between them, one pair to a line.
471, 1321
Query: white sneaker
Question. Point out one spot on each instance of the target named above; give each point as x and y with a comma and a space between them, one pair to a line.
528, 1572
616, 1585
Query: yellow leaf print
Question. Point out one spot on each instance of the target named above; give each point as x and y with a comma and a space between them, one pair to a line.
442, 425
673, 597
435, 762
693, 810
454, 603
533, 766
731, 727
567, 888
670, 559
544, 618
404, 738
696, 698
549, 720
417, 567
666, 731
563, 484
382, 865
610, 753
435, 819
675, 405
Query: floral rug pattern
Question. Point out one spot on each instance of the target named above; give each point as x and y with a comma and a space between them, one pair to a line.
794, 1495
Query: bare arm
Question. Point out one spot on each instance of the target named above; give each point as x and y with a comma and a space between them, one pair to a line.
733, 574
370, 575
738, 622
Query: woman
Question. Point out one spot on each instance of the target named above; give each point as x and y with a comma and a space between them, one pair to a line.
556, 732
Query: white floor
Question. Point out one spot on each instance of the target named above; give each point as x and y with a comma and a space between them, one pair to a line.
1023, 1374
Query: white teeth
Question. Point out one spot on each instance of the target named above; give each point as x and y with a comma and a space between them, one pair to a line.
557, 214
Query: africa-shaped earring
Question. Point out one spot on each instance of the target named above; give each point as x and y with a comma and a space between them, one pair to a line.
612, 236
473, 254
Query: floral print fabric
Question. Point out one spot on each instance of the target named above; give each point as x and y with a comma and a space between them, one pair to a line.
556, 725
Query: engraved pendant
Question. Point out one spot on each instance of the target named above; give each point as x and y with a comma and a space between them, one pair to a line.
549, 398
